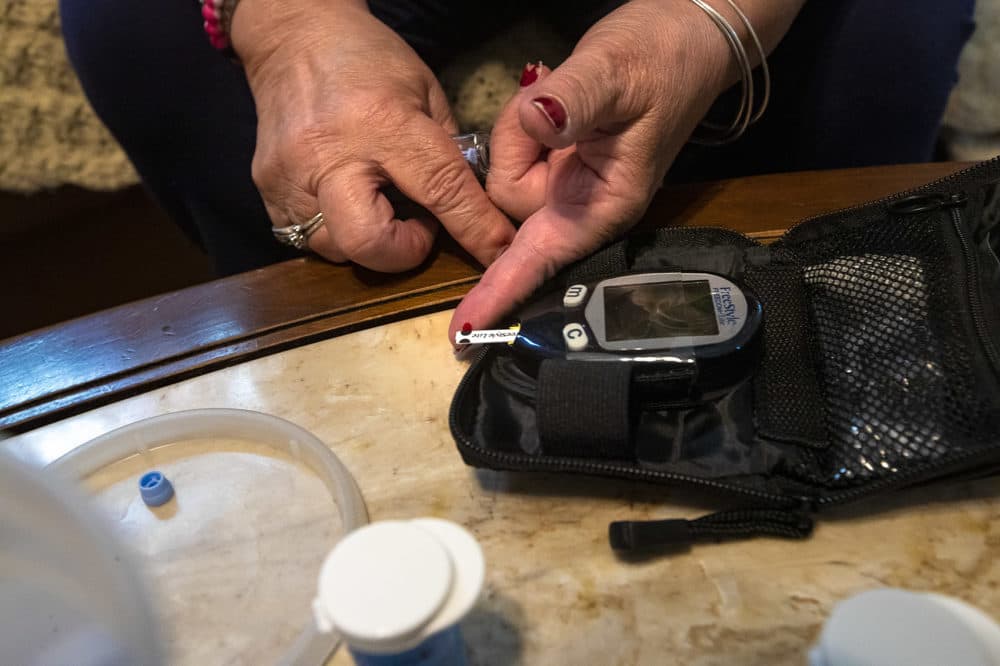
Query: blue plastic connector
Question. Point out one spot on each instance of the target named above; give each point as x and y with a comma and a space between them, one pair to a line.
155, 488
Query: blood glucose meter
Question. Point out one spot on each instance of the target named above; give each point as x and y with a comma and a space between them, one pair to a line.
704, 322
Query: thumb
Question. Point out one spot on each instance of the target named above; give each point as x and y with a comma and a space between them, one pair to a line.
585, 94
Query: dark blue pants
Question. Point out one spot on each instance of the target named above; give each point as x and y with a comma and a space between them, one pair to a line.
856, 82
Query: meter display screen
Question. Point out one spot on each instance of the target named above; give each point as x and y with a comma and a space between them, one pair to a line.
659, 310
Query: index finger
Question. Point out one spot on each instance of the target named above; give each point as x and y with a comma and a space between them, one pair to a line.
435, 175
518, 172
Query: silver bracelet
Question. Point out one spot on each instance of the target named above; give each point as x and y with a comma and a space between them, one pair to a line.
745, 115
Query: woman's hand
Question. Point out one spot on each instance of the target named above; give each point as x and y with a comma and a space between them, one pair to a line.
345, 108
579, 152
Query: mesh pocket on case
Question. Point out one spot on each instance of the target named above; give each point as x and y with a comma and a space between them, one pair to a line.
895, 367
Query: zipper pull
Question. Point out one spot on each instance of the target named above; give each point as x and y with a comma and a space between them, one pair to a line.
922, 203
634, 535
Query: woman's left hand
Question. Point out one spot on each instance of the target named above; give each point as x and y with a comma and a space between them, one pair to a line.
579, 152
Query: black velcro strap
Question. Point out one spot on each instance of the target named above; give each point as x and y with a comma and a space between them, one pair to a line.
583, 409
788, 401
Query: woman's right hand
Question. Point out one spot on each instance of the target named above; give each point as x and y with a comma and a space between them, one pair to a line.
345, 108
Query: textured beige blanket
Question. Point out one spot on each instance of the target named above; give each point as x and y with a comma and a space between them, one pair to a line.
48, 134
973, 116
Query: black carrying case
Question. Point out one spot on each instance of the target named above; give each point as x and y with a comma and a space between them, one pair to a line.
879, 368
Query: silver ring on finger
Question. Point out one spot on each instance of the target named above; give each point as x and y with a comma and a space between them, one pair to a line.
297, 235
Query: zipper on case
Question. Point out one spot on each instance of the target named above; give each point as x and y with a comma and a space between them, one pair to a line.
974, 291
920, 203
525, 463
924, 203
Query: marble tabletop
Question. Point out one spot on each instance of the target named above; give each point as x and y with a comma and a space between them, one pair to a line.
233, 561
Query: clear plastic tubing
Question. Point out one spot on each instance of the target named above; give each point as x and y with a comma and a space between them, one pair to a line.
312, 646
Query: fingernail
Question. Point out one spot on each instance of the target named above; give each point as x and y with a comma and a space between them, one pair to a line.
530, 73
554, 111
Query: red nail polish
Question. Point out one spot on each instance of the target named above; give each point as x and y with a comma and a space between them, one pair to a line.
529, 74
554, 111
466, 328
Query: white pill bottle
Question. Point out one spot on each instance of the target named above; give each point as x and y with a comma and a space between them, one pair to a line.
396, 592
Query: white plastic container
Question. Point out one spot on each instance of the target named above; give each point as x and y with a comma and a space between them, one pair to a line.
136, 440
69, 592
397, 590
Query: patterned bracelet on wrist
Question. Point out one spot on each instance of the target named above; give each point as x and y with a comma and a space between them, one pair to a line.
218, 16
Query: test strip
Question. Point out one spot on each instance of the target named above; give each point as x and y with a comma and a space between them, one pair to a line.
487, 336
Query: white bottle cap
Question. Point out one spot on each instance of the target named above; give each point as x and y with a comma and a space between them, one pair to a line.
889, 627
388, 586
